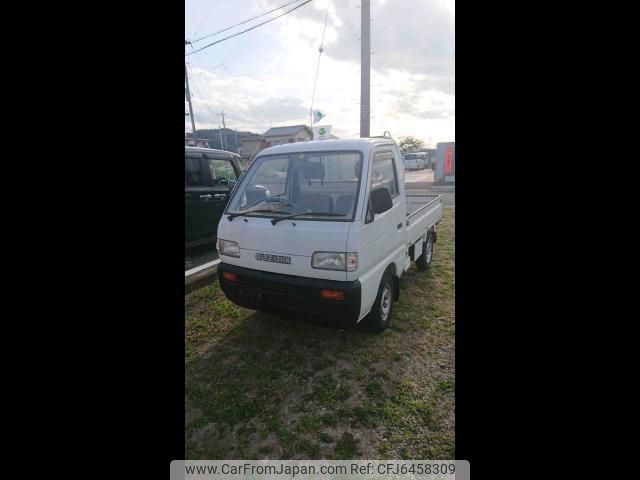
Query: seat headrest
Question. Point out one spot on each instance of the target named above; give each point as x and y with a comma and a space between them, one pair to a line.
313, 171
357, 168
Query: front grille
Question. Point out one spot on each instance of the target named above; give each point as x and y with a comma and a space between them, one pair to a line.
287, 289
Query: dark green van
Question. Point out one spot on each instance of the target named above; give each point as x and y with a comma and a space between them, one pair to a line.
209, 177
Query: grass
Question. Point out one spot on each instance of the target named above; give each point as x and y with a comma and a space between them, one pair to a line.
347, 447
259, 386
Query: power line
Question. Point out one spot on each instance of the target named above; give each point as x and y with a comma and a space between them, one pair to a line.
264, 65
320, 50
248, 29
243, 22
207, 70
211, 67
208, 14
198, 60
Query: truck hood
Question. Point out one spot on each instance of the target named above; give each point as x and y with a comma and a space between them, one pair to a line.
296, 238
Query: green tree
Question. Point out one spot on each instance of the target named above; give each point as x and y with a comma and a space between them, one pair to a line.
411, 144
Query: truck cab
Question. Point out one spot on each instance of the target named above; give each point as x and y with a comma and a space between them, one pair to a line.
324, 229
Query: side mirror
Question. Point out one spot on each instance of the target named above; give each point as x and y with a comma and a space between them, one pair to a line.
381, 200
256, 193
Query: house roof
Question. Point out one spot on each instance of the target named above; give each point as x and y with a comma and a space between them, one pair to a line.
282, 131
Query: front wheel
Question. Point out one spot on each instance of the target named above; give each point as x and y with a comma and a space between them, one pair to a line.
424, 261
378, 318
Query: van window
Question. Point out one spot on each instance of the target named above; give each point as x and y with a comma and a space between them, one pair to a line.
193, 172
221, 168
383, 173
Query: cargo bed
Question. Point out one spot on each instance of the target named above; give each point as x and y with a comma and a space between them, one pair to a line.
417, 203
423, 212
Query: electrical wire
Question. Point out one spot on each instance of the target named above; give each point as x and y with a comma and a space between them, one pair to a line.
208, 15
248, 29
208, 70
243, 22
320, 50
266, 64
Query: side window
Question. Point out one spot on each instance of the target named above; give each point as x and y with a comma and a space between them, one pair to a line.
383, 173
221, 168
193, 172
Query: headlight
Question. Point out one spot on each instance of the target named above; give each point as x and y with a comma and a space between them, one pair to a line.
345, 262
226, 247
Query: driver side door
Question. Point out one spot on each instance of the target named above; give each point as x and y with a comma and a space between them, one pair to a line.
222, 175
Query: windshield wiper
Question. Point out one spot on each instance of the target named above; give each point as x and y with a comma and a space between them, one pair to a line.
327, 214
231, 216
278, 204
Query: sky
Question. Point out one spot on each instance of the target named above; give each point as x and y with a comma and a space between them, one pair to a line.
264, 78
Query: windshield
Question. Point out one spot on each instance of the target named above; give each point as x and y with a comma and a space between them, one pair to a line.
318, 182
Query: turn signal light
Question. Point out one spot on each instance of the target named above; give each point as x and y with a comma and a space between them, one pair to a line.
229, 276
332, 294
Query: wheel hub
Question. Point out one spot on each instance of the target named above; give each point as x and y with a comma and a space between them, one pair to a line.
386, 302
428, 250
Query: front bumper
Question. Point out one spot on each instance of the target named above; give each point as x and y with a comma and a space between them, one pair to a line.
293, 295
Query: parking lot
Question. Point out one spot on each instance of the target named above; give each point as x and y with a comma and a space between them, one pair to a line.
260, 386
422, 178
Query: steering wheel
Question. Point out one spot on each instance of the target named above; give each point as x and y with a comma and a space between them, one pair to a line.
269, 200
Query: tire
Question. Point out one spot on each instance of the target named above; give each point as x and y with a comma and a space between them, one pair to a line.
424, 261
380, 315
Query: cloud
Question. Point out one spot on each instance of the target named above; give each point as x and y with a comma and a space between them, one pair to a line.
412, 78
275, 110
417, 35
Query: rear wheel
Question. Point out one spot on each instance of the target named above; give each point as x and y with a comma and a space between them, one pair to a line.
380, 315
424, 261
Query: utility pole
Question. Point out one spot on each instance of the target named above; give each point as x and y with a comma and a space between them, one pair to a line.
221, 139
187, 93
224, 126
365, 69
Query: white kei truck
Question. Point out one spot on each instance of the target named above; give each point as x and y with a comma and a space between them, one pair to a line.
324, 230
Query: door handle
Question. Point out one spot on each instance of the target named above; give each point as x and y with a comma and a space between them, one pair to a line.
399, 226
206, 197
220, 196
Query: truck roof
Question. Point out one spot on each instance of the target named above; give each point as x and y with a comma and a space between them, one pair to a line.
362, 144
